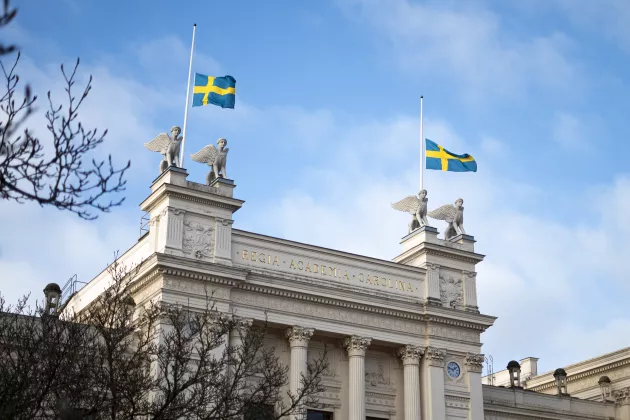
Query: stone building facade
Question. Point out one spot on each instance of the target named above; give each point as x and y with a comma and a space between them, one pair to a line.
403, 335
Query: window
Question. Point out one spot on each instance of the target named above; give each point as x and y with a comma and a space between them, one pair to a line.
373, 418
259, 412
318, 415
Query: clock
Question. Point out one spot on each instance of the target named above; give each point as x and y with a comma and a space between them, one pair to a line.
453, 370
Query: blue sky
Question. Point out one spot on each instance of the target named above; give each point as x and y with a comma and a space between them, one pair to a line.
325, 135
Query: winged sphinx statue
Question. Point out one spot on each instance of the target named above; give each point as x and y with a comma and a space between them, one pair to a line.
417, 206
215, 157
168, 146
453, 215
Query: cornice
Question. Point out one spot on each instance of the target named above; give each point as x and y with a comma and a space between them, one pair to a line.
437, 250
551, 383
420, 317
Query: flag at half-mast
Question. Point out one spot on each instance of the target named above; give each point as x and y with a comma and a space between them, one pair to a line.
219, 91
440, 159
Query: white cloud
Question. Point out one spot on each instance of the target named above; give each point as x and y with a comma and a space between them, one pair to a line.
570, 132
469, 44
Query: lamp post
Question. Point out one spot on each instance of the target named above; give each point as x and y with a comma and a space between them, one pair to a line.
605, 387
561, 381
52, 293
514, 368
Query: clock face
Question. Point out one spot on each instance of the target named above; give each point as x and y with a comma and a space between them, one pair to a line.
453, 370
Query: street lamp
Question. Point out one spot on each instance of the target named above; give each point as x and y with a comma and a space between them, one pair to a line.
561, 381
52, 293
515, 373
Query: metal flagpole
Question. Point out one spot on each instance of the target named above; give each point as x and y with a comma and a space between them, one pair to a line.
192, 49
421, 149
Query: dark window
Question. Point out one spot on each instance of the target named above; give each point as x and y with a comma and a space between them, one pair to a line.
373, 418
259, 412
318, 415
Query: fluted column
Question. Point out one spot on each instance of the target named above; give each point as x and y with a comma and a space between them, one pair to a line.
474, 365
433, 387
298, 339
410, 356
356, 347
239, 330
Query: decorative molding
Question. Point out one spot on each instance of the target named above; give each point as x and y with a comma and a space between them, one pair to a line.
356, 345
435, 357
203, 201
377, 378
241, 324
410, 354
451, 292
451, 256
299, 336
198, 239
195, 287
474, 362
399, 320
622, 396
588, 378
380, 398
457, 402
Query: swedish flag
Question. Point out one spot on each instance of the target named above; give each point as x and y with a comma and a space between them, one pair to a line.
219, 91
442, 160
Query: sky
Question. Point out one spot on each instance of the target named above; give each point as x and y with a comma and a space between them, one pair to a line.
325, 135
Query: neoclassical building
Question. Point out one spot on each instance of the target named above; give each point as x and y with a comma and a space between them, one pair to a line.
403, 336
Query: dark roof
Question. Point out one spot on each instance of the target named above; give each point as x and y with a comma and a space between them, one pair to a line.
559, 372
52, 287
513, 364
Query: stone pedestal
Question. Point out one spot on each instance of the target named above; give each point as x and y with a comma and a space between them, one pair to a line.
356, 347
298, 339
410, 356
192, 220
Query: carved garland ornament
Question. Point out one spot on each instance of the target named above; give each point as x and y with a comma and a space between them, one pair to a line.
198, 239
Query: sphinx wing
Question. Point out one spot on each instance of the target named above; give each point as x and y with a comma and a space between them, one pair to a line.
205, 155
159, 144
446, 212
409, 204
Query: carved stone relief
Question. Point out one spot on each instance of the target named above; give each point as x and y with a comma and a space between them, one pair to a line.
451, 291
198, 239
378, 377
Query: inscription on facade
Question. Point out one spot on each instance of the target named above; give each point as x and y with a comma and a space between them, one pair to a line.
323, 270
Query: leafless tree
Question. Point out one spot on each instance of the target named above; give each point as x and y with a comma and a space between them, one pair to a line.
64, 174
114, 360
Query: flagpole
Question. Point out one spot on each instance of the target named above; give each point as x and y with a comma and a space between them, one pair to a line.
192, 49
421, 149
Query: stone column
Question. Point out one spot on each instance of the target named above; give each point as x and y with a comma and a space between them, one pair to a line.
432, 285
470, 291
356, 347
298, 339
223, 241
474, 365
433, 389
410, 356
239, 331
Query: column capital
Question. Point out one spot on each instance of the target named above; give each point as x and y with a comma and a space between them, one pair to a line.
474, 362
239, 323
410, 355
434, 356
356, 345
299, 336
